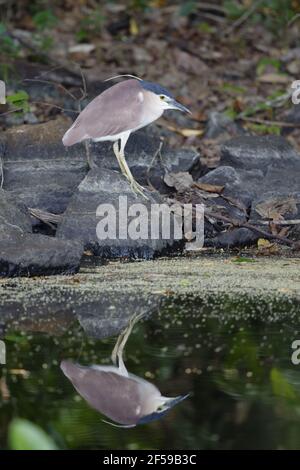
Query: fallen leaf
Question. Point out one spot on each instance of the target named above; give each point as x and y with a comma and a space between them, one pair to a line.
210, 188
276, 207
190, 132
82, 48
181, 181
133, 27
265, 247
189, 62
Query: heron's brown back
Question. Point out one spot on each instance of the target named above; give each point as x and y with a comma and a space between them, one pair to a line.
116, 110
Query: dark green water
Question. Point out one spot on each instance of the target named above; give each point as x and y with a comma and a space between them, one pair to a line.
235, 359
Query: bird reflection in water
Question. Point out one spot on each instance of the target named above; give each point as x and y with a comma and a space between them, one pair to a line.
121, 396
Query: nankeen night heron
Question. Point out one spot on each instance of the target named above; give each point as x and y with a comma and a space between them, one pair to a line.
117, 112
121, 396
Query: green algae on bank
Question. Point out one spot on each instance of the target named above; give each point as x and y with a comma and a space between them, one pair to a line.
108, 295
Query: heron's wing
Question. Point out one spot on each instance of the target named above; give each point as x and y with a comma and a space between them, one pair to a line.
114, 395
116, 110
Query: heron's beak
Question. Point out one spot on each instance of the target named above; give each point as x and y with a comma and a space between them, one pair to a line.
170, 402
175, 105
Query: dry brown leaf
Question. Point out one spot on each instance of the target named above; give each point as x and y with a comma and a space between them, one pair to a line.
190, 63
181, 181
266, 247
190, 132
133, 27
276, 207
210, 188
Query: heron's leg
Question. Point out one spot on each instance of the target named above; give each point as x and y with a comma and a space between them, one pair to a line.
117, 154
135, 186
117, 354
90, 160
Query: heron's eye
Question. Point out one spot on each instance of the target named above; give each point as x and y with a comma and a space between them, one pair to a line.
162, 97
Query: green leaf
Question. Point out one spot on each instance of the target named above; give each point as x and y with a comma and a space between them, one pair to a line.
44, 19
281, 387
19, 100
242, 259
18, 96
187, 8
24, 435
264, 62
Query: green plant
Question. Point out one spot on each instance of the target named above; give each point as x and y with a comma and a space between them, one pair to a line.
44, 20
7, 44
274, 14
90, 25
264, 62
19, 101
24, 435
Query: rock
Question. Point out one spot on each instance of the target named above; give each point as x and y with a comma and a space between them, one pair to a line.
23, 253
234, 202
44, 174
33, 254
238, 237
103, 186
274, 206
39, 169
253, 152
221, 127
293, 116
181, 181
14, 216
115, 312
239, 185
254, 171
140, 151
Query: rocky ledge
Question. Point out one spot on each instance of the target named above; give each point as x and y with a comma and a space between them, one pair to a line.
49, 196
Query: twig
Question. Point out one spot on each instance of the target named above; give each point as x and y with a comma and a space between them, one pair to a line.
49, 82
11, 111
157, 152
45, 217
210, 6
211, 16
1, 173
293, 19
237, 223
269, 123
55, 106
83, 90
244, 17
276, 222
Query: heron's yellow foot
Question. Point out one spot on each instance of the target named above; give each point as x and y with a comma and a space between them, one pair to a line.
138, 189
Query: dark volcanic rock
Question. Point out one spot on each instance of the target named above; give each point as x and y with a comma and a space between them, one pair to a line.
31, 255
44, 174
271, 205
140, 151
39, 169
253, 152
221, 127
293, 115
115, 312
254, 171
238, 184
237, 237
14, 216
23, 253
103, 186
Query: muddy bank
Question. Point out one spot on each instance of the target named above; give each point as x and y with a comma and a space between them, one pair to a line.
103, 298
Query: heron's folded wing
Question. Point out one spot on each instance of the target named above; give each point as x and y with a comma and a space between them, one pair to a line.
116, 110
